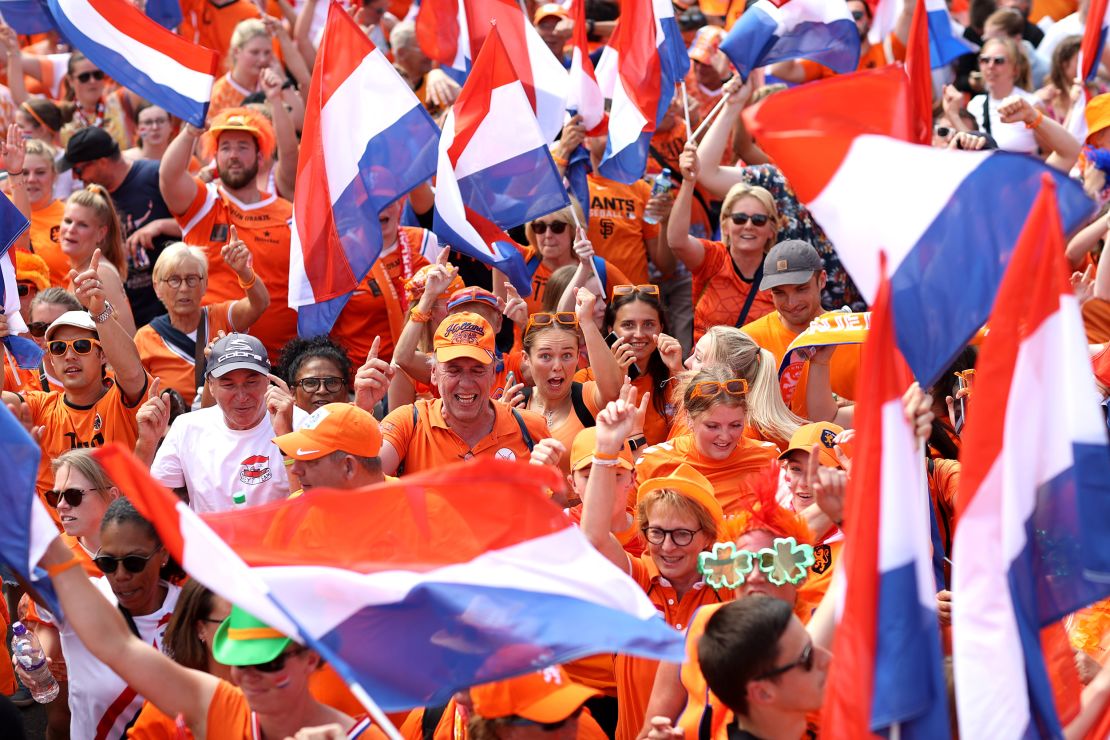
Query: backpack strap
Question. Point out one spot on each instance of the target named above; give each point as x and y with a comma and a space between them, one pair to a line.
579, 403
415, 421
524, 430
430, 721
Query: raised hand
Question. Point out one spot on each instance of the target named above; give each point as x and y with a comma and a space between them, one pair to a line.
279, 404
14, 149
237, 255
624, 353
515, 309
373, 378
671, 352
153, 416
617, 420
89, 289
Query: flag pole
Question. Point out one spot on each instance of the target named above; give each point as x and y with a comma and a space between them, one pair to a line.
709, 117
593, 268
685, 105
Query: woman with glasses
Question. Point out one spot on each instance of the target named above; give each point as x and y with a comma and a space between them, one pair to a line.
552, 243
551, 349
679, 517
168, 344
90, 103
137, 589
1005, 71
80, 498
726, 273
155, 129
317, 370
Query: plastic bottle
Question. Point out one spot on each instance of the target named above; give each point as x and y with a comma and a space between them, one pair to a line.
239, 498
662, 183
37, 676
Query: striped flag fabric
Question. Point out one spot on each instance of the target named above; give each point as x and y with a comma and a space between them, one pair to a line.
27, 354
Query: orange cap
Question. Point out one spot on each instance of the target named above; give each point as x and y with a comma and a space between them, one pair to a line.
690, 483
547, 10
414, 288
706, 44
822, 433
31, 268
331, 428
1097, 114
545, 696
582, 451
464, 334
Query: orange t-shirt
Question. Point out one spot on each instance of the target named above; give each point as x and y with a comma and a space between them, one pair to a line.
45, 225
875, 57
431, 443
165, 361
572, 425
731, 477
211, 26
636, 676
229, 717
265, 227
720, 292
657, 426
617, 227
772, 335
669, 145
613, 276
226, 93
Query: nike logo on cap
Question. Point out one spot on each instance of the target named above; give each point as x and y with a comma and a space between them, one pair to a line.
306, 452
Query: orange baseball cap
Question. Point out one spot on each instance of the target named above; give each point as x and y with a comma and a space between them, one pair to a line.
1097, 114
331, 428
414, 288
822, 433
545, 696
31, 268
706, 44
689, 482
547, 10
582, 451
464, 334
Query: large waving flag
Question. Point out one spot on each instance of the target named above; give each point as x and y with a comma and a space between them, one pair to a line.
583, 94
26, 529
776, 30
888, 670
948, 244
945, 41
437, 582
161, 66
1032, 540
27, 17
1090, 59
495, 170
27, 354
367, 141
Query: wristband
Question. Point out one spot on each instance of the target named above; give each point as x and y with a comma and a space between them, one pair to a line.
601, 463
15, 174
104, 315
54, 570
417, 316
250, 283
598, 455
1036, 121
559, 160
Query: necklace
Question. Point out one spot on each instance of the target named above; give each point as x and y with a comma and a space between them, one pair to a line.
80, 112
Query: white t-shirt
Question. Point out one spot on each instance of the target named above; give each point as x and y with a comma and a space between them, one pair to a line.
94, 688
214, 462
1011, 137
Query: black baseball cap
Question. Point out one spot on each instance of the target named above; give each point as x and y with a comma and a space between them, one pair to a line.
86, 145
790, 262
237, 352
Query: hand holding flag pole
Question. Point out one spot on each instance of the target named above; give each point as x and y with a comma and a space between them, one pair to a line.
580, 234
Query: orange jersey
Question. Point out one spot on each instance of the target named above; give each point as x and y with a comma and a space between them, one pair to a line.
731, 477
617, 228
668, 145
265, 227
720, 292
430, 443
165, 360
226, 93
657, 426
45, 225
566, 431
772, 335
211, 25
230, 718
613, 276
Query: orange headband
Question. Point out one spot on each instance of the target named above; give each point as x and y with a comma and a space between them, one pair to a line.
31, 112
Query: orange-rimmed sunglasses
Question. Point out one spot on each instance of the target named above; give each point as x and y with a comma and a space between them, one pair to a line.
711, 388
630, 289
564, 318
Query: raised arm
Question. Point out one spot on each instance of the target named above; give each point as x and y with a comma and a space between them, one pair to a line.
285, 174
16, 85
685, 247
245, 311
177, 185
1051, 137
13, 150
607, 372
711, 174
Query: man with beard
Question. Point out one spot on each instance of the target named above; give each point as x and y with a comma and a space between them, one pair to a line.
240, 139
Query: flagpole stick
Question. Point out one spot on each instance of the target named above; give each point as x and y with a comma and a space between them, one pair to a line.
578, 227
709, 118
685, 104
375, 712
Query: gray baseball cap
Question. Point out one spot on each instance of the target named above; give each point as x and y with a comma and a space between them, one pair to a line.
791, 262
237, 352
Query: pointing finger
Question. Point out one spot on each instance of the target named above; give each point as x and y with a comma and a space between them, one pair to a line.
233, 234
94, 264
279, 382
374, 347
155, 387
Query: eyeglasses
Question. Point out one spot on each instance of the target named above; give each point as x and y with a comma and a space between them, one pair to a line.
858, 15
331, 384
174, 281
38, 328
81, 346
131, 563
711, 388
758, 219
154, 122
275, 665
565, 318
95, 74
943, 131
805, 660
72, 496
680, 537
630, 289
545, 726
24, 289
557, 227
988, 60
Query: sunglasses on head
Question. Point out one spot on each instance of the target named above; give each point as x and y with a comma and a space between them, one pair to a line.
557, 227
805, 661
72, 496
630, 289
95, 74
81, 346
711, 388
131, 563
565, 318
275, 665
38, 328
758, 219
984, 59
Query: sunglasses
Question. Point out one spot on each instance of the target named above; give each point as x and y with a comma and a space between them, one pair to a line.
758, 219
24, 289
275, 665
84, 77
516, 721
680, 537
858, 15
331, 384
82, 346
711, 388
72, 496
565, 318
987, 60
557, 227
38, 328
630, 289
805, 661
726, 566
131, 563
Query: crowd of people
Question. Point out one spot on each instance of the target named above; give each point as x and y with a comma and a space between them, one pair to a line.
644, 365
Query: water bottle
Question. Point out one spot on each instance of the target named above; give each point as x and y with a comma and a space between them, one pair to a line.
38, 679
660, 185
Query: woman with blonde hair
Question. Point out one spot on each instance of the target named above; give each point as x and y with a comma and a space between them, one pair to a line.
726, 273
90, 223
251, 52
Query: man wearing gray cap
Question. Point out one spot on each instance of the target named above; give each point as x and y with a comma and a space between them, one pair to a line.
795, 275
224, 456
